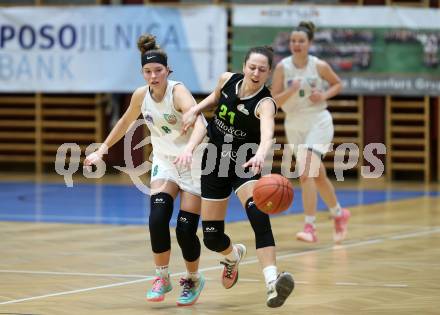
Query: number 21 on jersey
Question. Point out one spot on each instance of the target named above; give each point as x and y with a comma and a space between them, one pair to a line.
224, 112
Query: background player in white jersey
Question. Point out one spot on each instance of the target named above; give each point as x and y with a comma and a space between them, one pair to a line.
244, 115
298, 88
162, 103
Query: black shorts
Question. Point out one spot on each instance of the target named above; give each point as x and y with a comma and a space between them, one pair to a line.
222, 172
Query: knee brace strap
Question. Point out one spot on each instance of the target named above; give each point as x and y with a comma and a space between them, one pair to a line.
161, 210
260, 223
214, 236
186, 233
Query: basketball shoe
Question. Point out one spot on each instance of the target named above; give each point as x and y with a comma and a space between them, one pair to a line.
308, 234
280, 289
230, 271
190, 290
159, 288
341, 226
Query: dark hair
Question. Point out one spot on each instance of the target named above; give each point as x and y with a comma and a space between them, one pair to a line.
262, 50
147, 44
307, 27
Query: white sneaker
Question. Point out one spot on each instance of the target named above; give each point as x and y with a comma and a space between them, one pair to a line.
280, 289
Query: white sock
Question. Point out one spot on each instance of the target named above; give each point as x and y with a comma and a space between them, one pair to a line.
193, 275
162, 271
233, 255
310, 219
336, 211
270, 274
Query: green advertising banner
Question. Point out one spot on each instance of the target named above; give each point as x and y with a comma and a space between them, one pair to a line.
375, 50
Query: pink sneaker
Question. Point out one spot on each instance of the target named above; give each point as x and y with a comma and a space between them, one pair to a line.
308, 235
230, 271
341, 226
160, 287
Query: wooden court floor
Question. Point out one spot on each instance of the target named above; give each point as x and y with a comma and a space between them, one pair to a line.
390, 264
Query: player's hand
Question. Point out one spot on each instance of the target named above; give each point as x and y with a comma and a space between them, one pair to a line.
295, 85
184, 160
317, 96
92, 159
189, 119
256, 163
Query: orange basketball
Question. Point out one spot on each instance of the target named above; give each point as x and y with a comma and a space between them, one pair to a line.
273, 193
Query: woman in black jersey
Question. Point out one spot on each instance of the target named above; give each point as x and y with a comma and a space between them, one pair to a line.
244, 116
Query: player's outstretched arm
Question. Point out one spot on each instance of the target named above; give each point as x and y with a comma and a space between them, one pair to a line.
131, 114
266, 112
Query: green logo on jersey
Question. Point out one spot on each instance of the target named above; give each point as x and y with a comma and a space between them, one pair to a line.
170, 118
155, 170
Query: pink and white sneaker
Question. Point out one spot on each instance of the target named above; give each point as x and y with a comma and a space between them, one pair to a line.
341, 226
230, 270
308, 234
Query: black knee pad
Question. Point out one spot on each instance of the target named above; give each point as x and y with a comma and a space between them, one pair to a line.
214, 236
186, 233
161, 210
260, 223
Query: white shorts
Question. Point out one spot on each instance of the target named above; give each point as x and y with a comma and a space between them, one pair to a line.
312, 131
188, 179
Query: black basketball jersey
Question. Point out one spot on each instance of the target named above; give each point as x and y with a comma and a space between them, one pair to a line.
237, 117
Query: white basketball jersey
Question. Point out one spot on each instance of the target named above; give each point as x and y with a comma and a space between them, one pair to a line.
310, 78
165, 123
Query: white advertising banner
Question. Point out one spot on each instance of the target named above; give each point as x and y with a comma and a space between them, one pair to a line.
337, 16
93, 49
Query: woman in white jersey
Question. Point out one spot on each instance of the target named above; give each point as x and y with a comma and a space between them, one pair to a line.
298, 88
162, 103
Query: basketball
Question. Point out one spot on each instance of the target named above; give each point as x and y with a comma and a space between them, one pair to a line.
273, 193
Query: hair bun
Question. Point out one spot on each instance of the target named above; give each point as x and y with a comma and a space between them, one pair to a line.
308, 25
146, 43
270, 48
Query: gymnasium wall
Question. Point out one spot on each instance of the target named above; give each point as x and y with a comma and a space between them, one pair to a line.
38, 117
